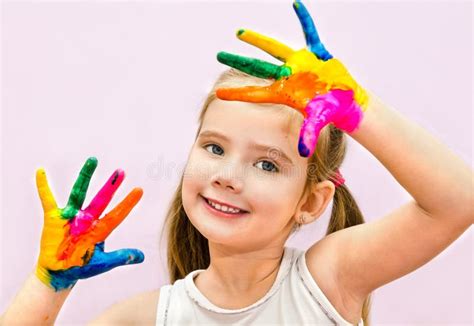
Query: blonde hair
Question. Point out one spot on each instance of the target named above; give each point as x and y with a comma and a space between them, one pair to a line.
188, 249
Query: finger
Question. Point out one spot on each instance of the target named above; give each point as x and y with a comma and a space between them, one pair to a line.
46, 196
104, 196
265, 43
261, 94
109, 222
308, 138
254, 94
124, 257
320, 111
311, 34
254, 67
79, 190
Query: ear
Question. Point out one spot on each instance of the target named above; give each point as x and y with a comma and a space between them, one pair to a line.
314, 201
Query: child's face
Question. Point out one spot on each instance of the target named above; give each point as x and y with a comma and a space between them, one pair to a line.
234, 172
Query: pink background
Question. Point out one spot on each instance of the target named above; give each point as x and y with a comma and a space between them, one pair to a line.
124, 81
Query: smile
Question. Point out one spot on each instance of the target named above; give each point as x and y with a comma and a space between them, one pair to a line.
222, 210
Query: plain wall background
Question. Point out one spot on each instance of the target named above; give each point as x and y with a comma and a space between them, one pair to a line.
124, 81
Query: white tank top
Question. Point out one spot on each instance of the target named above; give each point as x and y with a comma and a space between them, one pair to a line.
293, 299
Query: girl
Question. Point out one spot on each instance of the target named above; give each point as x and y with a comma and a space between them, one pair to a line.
246, 188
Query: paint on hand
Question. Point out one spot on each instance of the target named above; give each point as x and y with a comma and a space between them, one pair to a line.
72, 242
336, 106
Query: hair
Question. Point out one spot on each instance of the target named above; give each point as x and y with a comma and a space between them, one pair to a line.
188, 249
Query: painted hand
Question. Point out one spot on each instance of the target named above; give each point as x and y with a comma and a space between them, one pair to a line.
310, 81
72, 242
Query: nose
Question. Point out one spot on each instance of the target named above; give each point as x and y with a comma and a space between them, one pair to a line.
228, 179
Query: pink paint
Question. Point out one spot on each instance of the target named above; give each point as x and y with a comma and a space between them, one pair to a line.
104, 196
336, 106
81, 223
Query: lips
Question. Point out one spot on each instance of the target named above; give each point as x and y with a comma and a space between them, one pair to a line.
221, 214
225, 204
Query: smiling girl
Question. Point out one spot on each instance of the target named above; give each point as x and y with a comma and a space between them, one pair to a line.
245, 157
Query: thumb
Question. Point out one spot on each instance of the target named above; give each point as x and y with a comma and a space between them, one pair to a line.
124, 257
102, 262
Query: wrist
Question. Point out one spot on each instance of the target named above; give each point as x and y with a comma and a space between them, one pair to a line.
52, 279
34, 304
374, 115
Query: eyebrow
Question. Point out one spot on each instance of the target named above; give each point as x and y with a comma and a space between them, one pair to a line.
261, 147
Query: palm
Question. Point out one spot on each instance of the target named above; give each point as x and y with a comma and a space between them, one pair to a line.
304, 76
72, 241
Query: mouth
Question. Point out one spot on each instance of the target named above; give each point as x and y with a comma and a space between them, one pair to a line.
222, 210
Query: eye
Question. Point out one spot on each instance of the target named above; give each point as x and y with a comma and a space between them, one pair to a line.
266, 165
270, 165
220, 151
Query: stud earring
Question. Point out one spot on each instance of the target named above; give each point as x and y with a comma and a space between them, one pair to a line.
302, 219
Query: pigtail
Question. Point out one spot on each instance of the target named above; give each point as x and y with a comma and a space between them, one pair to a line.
345, 211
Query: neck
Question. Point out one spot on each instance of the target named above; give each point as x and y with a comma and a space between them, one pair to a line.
243, 272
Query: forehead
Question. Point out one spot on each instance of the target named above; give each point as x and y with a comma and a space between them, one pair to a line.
267, 124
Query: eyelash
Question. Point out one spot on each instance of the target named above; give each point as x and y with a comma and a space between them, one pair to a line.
275, 165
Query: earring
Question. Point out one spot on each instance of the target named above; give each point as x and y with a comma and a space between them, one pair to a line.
302, 219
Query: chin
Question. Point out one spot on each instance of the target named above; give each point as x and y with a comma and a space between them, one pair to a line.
211, 230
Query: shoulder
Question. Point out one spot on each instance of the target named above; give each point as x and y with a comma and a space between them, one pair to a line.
139, 310
323, 263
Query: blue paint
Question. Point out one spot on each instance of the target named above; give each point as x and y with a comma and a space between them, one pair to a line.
99, 263
302, 148
311, 34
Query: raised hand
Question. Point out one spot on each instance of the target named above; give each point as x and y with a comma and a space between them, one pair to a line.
72, 242
310, 81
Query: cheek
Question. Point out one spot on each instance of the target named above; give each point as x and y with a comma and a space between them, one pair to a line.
195, 179
192, 185
273, 197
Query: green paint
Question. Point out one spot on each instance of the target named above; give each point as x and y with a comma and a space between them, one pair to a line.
79, 190
240, 31
285, 71
254, 67
68, 212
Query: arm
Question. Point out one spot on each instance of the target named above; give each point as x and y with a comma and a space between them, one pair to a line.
35, 304
439, 181
412, 235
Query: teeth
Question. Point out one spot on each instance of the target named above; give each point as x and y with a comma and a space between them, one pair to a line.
223, 208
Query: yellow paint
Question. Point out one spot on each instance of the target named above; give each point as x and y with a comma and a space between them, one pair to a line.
267, 44
332, 72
